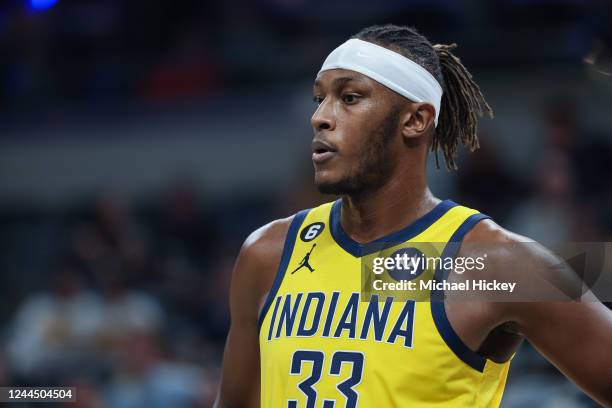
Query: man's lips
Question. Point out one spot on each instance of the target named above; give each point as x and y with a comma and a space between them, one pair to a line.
322, 151
322, 157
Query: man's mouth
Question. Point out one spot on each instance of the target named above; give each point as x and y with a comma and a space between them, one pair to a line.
322, 151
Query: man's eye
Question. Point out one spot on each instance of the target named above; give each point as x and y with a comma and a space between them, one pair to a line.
317, 99
349, 98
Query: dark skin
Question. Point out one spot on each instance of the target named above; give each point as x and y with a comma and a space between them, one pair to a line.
575, 337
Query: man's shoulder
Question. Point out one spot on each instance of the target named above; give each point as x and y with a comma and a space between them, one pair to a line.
256, 266
488, 231
487, 236
265, 244
273, 234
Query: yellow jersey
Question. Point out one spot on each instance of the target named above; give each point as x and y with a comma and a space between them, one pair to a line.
326, 342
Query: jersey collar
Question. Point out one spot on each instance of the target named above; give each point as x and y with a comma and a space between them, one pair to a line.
412, 230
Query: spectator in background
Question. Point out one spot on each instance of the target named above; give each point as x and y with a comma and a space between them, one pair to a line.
589, 156
109, 230
53, 332
569, 201
184, 228
146, 377
124, 309
484, 182
546, 217
587, 153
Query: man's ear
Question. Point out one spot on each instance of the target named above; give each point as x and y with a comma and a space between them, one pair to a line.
417, 119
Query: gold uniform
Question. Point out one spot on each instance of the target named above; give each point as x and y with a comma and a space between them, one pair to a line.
326, 343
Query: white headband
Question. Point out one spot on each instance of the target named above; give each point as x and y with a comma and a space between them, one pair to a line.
389, 68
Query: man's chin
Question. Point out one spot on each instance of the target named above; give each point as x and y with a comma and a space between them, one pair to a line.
325, 185
340, 187
328, 188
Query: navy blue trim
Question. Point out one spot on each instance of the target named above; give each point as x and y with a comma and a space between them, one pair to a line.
451, 338
292, 232
356, 249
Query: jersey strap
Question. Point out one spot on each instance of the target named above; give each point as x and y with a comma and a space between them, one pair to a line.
294, 227
438, 311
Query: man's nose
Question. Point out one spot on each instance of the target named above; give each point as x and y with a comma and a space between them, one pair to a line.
323, 118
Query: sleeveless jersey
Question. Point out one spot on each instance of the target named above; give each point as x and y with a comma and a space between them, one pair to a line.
326, 343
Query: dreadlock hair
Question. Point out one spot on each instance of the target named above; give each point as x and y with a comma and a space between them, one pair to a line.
462, 99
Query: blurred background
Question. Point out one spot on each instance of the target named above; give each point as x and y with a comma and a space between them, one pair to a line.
141, 142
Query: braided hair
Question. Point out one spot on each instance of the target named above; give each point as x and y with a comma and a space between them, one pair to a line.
462, 99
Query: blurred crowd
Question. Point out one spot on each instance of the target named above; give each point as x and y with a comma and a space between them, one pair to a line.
563, 196
59, 53
132, 305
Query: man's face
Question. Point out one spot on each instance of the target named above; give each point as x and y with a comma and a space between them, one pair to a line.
355, 128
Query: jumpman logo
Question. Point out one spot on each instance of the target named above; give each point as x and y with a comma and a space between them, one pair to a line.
304, 262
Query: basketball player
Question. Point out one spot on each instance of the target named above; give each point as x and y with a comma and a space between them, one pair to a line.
385, 99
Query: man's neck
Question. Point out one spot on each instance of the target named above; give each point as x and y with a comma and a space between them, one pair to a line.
389, 208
